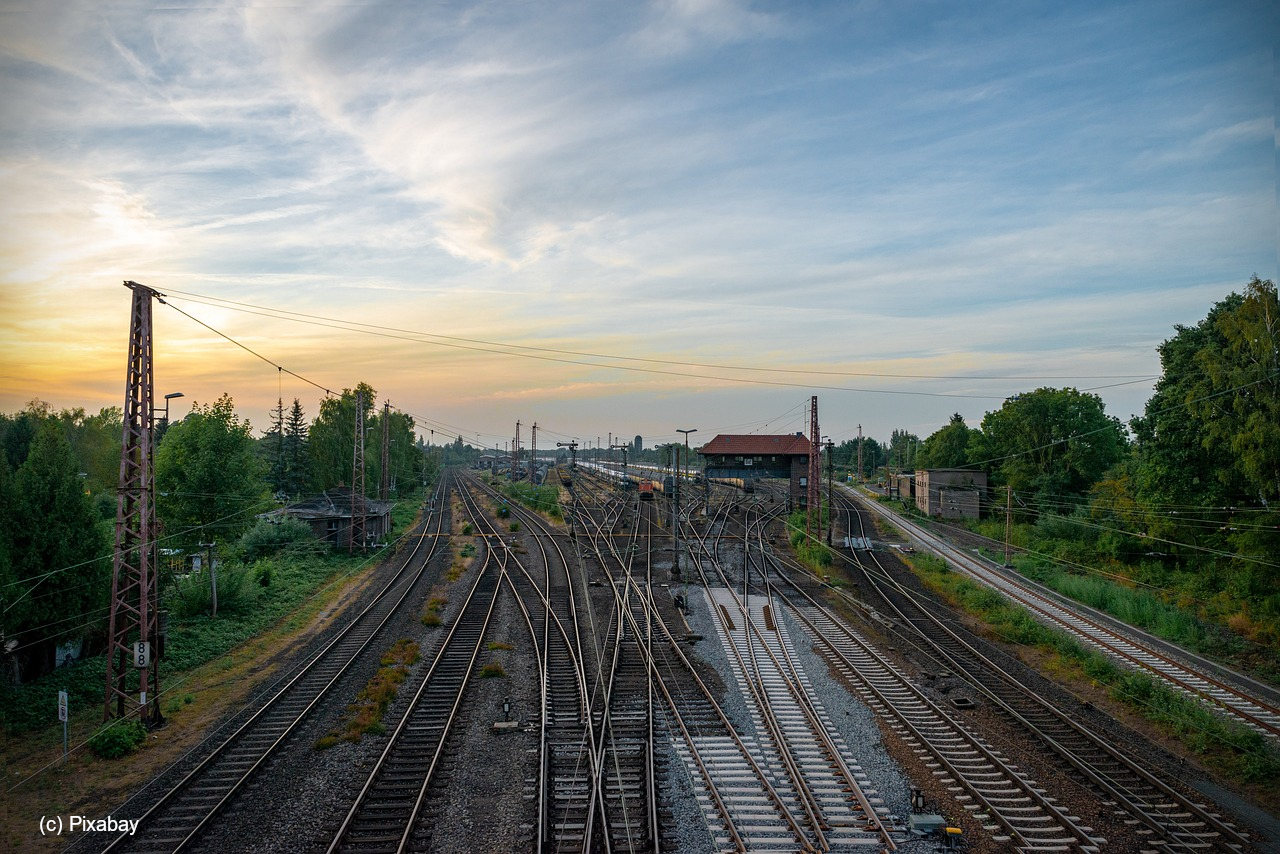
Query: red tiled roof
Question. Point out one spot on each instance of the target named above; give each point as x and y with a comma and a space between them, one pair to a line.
726, 443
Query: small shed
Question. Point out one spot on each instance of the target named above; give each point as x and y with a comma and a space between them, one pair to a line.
329, 515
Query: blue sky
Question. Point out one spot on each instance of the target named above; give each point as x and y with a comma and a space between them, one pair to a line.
996, 190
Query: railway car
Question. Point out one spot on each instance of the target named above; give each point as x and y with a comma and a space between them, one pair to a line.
646, 490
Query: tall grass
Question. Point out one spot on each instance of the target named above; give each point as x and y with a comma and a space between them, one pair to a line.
1231, 747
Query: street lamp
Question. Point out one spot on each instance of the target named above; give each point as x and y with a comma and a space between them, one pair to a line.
686, 443
164, 424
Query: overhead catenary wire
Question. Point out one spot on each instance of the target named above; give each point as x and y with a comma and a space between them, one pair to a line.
631, 368
286, 314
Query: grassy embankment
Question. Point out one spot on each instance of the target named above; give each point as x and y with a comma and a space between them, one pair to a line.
1174, 605
1230, 748
280, 594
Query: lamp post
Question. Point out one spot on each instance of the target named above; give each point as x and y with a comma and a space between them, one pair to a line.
831, 507
686, 448
164, 424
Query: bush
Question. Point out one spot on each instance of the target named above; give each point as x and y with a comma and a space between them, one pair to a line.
493, 670
117, 738
191, 596
270, 536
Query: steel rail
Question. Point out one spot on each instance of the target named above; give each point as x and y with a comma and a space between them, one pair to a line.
573, 648
1119, 790
1113, 642
225, 792
691, 743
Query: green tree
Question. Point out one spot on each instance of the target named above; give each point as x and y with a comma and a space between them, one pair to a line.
1051, 444
56, 545
902, 449
947, 448
331, 438
208, 475
1209, 438
404, 464
297, 474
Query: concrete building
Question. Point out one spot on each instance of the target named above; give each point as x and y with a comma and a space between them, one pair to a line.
747, 457
950, 493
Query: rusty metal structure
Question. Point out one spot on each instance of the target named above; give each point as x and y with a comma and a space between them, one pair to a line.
357, 477
533, 451
384, 470
515, 453
815, 469
132, 628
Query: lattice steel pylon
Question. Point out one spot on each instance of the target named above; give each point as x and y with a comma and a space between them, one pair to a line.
815, 467
133, 575
384, 470
533, 450
357, 478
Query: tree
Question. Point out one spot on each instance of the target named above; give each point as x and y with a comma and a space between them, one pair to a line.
1051, 444
209, 478
902, 449
56, 545
403, 459
947, 448
331, 439
1210, 438
272, 447
297, 474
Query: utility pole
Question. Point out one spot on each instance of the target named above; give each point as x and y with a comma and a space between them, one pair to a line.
815, 470
859, 454
1008, 516
132, 636
831, 507
384, 473
533, 450
675, 517
515, 452
357, 478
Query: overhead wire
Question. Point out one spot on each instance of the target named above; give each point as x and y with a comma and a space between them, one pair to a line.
629, 368
286, 314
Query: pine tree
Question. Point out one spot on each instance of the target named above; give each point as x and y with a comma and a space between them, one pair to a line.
278, 466
297, 465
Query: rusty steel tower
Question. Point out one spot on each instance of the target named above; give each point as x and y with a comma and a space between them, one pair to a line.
515, 453
132, 628
384, 470
815, 468
533, 450
357, 478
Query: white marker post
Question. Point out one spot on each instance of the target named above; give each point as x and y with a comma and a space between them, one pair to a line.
62, 716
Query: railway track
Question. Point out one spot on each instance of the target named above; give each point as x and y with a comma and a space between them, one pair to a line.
820, 781
1135, 793
384, 814
568, 794
183, 812
1253, 711
1010, 806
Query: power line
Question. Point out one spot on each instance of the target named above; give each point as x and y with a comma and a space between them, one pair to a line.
683, 375
285, 314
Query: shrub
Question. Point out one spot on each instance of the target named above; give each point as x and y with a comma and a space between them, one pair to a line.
118, 738
268, 536
191, 596
515, 526
492, 670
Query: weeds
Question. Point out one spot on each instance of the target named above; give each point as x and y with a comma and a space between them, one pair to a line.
1233, 748
365, 714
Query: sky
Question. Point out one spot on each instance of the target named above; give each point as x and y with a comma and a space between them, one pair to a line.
907, 209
